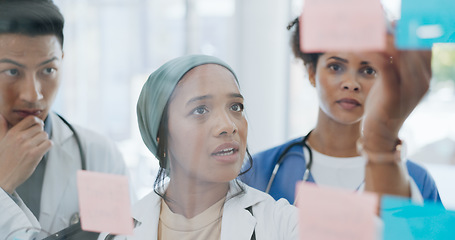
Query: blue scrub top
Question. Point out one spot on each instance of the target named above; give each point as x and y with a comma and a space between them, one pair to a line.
293, 167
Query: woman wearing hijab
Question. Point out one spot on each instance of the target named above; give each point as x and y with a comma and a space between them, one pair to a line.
191, 117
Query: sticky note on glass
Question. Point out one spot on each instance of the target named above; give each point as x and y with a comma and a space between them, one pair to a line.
104, 203
336, 214
405, 220
425, 22
347, 25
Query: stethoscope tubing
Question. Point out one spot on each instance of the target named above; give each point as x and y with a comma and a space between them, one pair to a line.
75, 218
286, 153
78, 141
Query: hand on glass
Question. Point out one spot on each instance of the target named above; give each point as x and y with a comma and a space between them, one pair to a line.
392, 99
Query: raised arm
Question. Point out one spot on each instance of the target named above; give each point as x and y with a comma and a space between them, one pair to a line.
388, 105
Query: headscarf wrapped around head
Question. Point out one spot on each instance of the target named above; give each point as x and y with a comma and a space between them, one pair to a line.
159, 88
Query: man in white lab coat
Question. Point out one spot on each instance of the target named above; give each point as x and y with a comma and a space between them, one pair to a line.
40, 152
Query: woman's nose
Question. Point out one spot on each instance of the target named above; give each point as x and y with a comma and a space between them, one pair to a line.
350, 82
225, 125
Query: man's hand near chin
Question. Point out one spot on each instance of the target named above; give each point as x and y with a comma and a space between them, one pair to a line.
21, 149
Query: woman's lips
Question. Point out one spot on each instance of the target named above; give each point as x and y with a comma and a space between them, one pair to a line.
227, 152
348, 103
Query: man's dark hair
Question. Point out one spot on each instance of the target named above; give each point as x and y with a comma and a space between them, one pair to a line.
31, 18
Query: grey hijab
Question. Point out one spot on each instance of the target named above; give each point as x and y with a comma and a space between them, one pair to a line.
158, 89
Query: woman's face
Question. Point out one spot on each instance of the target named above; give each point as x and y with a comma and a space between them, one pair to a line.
343, 81
207, 126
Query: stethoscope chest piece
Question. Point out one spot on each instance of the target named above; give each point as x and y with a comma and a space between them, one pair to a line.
75, 218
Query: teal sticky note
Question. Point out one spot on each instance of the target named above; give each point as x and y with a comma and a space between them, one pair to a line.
405, 220
424, 22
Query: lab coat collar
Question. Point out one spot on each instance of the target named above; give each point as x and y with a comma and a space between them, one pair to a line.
62, 165
237, 221
60, 132
147, 213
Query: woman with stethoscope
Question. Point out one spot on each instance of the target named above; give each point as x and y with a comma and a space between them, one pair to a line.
328, 155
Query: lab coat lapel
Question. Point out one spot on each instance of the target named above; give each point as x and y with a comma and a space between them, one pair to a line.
147, 212
238, 222
61, 168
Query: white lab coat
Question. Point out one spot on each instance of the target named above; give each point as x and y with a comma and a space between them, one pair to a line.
271, 219
59, 200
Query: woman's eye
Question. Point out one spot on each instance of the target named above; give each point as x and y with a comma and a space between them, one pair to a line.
200, 110
335, 67
48, 71
369, 71
238, 107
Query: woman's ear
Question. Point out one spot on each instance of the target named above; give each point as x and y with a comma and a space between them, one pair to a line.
311, 74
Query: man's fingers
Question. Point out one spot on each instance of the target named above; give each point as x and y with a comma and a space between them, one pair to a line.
35, 149
21, 149
38, 151
44, 146
26, 136
29, 133
37, 139
3, 127
27, 123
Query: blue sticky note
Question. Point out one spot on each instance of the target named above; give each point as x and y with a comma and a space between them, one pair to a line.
424, 22
404, 220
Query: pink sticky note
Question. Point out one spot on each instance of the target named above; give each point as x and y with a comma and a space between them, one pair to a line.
347, 25
104, 203
334, 214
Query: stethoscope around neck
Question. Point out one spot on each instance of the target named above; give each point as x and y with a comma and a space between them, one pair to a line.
75, 218
286, 154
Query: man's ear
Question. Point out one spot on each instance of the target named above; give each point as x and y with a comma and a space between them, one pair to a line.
311, 74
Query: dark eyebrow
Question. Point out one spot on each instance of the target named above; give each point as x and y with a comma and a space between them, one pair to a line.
199, 98
6, 60
236, 95
195, 99
48, 61
346, 61
339, 59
